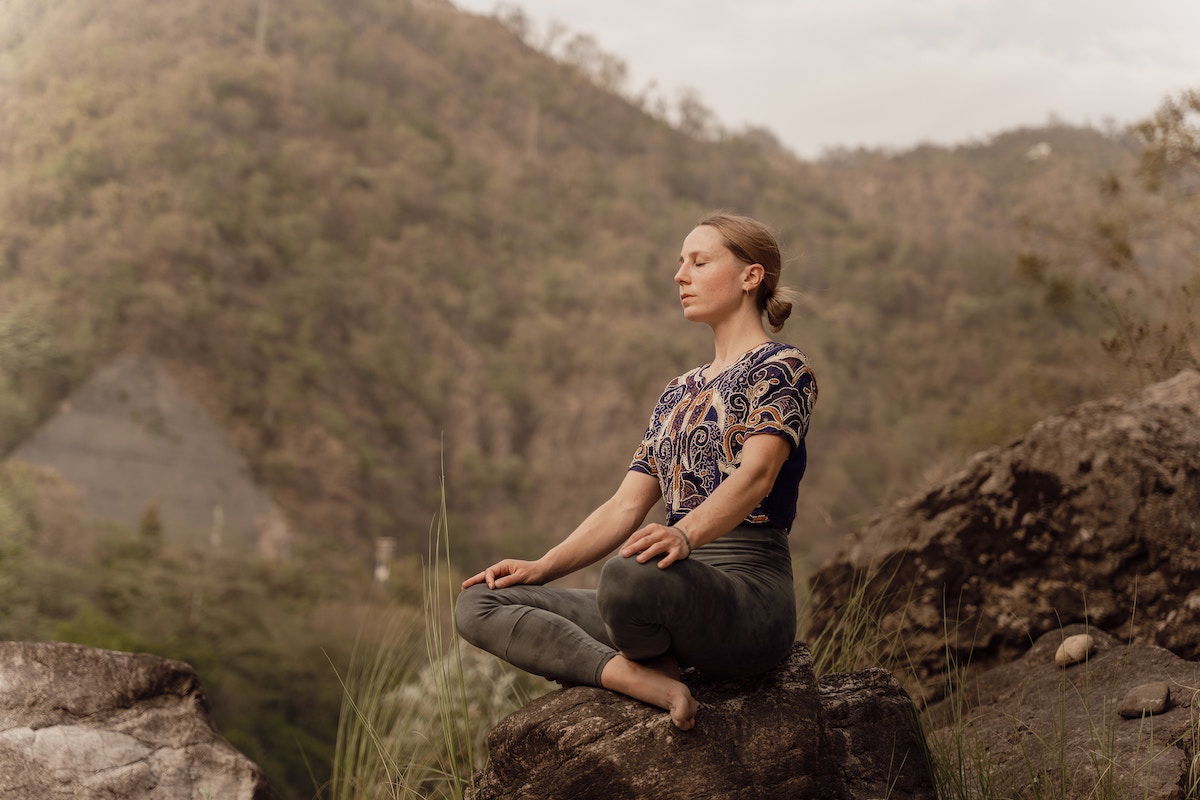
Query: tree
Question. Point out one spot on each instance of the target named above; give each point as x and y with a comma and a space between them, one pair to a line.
1137, 249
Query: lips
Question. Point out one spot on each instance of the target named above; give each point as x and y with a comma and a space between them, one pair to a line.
686, 296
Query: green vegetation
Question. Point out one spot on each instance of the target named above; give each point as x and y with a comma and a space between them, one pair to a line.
1138, 241
373, 232
370, 228
261, 635
334, 686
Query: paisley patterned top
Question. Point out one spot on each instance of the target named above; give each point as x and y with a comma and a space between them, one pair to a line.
694, 439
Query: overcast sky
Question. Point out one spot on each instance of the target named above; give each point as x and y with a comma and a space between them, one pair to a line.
822, 73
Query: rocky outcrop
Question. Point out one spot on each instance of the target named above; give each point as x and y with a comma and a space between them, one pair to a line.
1089, 515
82, 722
779, 734
1032, 724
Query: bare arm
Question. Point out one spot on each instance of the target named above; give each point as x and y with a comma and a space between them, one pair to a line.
721, 511
605, 528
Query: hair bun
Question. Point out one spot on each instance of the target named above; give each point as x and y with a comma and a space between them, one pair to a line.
778, 308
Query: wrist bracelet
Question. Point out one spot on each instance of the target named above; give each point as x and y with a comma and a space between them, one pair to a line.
686, 538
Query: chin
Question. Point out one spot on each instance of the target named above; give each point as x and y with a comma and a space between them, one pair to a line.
693, 314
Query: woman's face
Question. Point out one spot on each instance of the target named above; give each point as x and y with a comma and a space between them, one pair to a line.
711, 280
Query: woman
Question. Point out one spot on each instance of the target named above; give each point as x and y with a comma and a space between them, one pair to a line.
719, 597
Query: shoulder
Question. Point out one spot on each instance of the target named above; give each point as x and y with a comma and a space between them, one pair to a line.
784, 355
784, 365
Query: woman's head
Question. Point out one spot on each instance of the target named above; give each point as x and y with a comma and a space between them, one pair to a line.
743, 265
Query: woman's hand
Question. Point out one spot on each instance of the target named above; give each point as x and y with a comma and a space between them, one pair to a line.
653, 539
509, 572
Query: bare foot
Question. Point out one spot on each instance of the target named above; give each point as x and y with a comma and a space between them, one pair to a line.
666, 664
651, 686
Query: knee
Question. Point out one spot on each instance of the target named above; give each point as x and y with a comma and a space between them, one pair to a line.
470, 608
626, 583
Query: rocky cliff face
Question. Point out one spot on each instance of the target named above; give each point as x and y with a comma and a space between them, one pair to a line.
1094, 514
82, 722
780, 734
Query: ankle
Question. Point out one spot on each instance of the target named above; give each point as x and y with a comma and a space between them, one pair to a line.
616, 671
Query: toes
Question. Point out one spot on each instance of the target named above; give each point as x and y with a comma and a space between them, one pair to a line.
684, 724
684, 715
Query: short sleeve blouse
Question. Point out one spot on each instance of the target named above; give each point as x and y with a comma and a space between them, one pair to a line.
697, 428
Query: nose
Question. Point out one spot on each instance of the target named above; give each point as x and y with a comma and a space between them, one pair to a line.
681, 274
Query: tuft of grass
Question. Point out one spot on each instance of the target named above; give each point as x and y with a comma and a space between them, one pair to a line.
855, 637
416, 712
364, 768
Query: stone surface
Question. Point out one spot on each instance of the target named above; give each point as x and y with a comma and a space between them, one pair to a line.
1029, 725
83, 722
1149, 698
1074, 650
779, 734
871, 720
1069, 522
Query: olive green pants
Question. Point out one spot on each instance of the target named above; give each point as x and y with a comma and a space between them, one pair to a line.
728, 609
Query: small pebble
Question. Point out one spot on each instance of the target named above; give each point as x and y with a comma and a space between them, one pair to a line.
1149, 698
1074, 649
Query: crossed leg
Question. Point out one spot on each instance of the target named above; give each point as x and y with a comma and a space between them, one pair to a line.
690, 610
550, 631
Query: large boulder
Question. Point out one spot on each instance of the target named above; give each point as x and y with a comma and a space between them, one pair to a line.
1024, 727
779, 734
82, 722
1090, 515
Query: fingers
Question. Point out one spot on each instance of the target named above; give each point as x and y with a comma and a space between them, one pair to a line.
630, 545
655, 548
652, 540
634, 542
506, 580
643, 538
488, 575
501, 574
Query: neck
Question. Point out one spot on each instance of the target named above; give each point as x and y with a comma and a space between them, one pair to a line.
734, 336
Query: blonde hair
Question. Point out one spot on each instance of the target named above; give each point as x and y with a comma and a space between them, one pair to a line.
752, 243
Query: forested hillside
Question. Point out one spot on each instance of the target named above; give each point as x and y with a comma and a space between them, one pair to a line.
382, 240
380, 234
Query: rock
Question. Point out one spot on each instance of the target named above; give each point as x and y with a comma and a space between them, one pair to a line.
871, 719
82, 722
1089, 514
1149, 698
1039, 724
779, 734
1074, 649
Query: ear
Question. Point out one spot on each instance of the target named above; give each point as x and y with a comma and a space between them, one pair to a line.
755, 273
